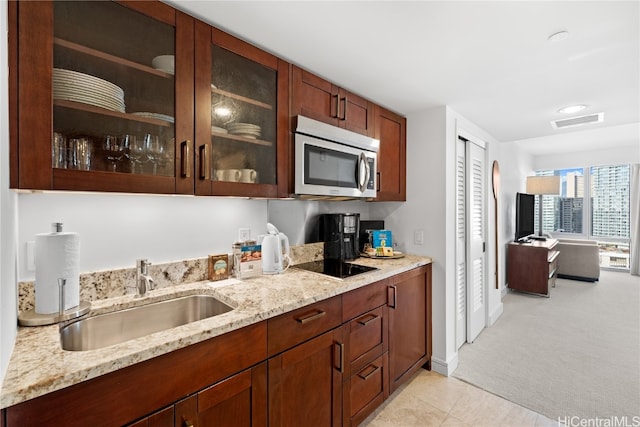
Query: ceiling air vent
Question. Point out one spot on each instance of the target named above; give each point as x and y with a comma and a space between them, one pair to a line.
577, 121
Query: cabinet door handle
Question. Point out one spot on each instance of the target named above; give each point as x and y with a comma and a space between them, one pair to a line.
187, 423
185, 169
337, 115
340, 348
311, 317
368, 374
392, 293
378, 174
204, 161
371, 318
344, 110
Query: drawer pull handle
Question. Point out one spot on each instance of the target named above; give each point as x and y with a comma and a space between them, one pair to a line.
314, 316
371, 372
371, 318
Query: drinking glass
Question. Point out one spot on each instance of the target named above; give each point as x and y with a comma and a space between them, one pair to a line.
80, 153
137, 152
156, 151
115, 149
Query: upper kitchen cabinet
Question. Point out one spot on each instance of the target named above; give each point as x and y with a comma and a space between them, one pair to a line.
242, 134
319, 99
101, 96
391, 131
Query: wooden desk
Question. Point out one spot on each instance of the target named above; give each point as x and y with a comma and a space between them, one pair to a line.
532, 267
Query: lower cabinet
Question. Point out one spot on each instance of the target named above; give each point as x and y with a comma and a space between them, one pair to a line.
305, 383
409, 324
237, 401
330, 363
133, 393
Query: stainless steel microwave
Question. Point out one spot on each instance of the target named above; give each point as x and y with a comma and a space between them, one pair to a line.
331, 162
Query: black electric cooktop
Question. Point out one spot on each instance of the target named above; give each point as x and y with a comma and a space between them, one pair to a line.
335, 268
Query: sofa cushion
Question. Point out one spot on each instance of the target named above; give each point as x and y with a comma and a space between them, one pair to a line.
578, 259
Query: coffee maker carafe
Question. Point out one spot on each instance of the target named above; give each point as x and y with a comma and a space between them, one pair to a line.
340, 234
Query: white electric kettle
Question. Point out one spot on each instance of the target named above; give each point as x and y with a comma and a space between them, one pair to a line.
275, 251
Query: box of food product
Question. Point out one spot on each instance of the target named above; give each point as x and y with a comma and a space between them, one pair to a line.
218, 267
381, 239
250, 261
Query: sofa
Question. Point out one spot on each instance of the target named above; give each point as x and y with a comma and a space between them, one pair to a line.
578, 259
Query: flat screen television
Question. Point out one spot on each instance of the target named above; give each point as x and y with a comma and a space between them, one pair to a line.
525, 207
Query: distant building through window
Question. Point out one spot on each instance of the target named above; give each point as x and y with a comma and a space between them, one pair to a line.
593, 203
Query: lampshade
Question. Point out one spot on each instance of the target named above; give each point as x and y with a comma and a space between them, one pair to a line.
543, 185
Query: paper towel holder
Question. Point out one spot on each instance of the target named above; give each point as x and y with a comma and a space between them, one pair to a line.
31, 318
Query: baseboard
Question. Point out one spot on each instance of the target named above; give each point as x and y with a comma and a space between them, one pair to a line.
493, 317
444, 368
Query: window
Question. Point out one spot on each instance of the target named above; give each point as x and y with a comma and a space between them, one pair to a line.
593, 203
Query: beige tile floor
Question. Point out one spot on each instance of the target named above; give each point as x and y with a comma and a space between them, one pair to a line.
430, 399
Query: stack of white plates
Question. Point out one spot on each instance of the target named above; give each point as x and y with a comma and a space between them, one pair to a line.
79, 87
247, 130
157, 116
218, 129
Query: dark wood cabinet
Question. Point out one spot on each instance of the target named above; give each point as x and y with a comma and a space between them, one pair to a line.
162, 418
305, 383
391, 131
306, 367
134, 392
366, 379
97, 112
238, 401
532, 267
94, 110
409, 324
321, 100
242, 134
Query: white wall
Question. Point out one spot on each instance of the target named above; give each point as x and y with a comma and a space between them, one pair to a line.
8, 297
430, 208
425, 211
604, 157
116, 229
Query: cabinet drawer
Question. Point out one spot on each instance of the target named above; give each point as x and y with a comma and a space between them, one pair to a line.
367, 338
361, 300
365, 391
292, 328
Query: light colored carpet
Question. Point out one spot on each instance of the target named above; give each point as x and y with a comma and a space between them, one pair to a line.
576, 353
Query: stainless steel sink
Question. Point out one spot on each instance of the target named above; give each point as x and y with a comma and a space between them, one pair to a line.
113, 328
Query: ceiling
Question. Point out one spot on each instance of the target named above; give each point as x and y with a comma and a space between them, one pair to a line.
490, 61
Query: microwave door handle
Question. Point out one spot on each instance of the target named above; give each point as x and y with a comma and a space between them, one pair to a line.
363, 166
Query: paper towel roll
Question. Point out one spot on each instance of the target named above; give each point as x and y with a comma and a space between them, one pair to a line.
57, 256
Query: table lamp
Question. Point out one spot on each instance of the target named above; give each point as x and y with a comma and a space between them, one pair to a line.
542, 185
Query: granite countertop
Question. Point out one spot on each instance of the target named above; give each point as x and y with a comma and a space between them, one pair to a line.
39, 365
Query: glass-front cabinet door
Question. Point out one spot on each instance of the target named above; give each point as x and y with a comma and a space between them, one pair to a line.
104, 96
241, 125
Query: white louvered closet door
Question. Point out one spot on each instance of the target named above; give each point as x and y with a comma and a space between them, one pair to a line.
476, 259
461, 246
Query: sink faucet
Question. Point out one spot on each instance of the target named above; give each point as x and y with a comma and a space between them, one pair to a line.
144, 282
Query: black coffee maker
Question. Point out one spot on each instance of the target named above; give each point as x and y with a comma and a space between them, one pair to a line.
340, 233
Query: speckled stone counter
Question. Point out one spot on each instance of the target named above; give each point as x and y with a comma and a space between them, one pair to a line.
38, 364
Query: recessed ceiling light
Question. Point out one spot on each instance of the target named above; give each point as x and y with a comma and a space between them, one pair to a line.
560, 35
572, 109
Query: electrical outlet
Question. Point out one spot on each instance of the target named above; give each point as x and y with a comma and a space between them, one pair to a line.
244, 234
31, 255
418, 237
